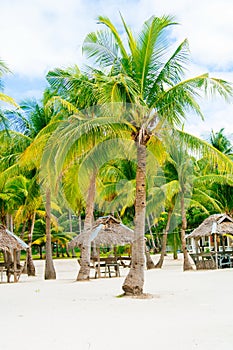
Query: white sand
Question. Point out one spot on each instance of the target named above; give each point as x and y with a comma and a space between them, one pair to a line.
190, 310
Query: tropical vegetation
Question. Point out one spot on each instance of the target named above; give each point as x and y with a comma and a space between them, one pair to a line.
109, 139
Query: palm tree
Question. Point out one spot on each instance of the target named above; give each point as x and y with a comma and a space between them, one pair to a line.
3, 97
221, 142
36, 122
149, 77
143, 74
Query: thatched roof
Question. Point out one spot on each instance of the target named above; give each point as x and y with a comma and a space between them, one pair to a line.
10, 241
216, 223
107, 231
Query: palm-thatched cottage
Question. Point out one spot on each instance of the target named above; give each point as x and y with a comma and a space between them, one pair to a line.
213, 236
10, 244
107, 232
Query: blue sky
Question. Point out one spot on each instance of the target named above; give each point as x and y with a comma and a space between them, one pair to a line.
39, 35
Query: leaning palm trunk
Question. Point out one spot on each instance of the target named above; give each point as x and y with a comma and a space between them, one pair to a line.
164, 241
149, 262
50, 272
133, 284
151, 235
21, 237
187, 265
31, 271
84, 272
175, 246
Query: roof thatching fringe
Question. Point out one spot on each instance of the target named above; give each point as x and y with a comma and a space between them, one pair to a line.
216, 223
107, 231
9, 240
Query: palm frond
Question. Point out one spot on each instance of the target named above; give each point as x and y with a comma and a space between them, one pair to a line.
102, 47
106, 21
7, 99
151, 44
203, 148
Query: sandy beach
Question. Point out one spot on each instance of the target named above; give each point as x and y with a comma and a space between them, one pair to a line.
189, 310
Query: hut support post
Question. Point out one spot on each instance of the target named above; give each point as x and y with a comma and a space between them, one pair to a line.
15, 264
210, 243
196, 246
98, 251
216, 250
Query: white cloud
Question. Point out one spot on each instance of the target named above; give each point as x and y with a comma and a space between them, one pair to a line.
39, 35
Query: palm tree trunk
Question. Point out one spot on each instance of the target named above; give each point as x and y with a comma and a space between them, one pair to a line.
70, 221
187, 265
151, 234
49, 267
11, 222
31, 271
164, 241
8, 221
80, 223
133, 284
21, 236
149, 262
84, 272
175, 246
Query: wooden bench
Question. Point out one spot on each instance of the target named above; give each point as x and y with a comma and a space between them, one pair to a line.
204, 261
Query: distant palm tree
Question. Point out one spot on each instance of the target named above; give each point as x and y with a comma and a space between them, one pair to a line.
3, 97
221, 142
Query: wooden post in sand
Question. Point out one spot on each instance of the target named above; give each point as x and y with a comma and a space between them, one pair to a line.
15, 265
98, 250
216, 250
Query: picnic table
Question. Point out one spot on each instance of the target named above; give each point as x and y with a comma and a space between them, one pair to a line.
108, 266
105, 265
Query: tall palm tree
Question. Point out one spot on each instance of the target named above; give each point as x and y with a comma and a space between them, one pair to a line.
149, 76
37, 123
146, 74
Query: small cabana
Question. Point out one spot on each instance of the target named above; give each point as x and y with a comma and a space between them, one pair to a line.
106, 232
213, 239
10, 244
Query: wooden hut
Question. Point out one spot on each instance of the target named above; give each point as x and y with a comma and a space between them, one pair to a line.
10, 244
214, 238
108, 232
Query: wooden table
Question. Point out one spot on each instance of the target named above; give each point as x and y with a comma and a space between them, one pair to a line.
106, 265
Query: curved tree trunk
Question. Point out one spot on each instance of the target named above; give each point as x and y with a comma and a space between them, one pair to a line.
31, 271
50, 272
21, 236
187, 265
149, 262
151, 235
164, 241
175, 246
84, 272
133, 284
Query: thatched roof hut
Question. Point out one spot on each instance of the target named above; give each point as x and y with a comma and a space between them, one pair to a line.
10, 241
107, 231
219, 224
